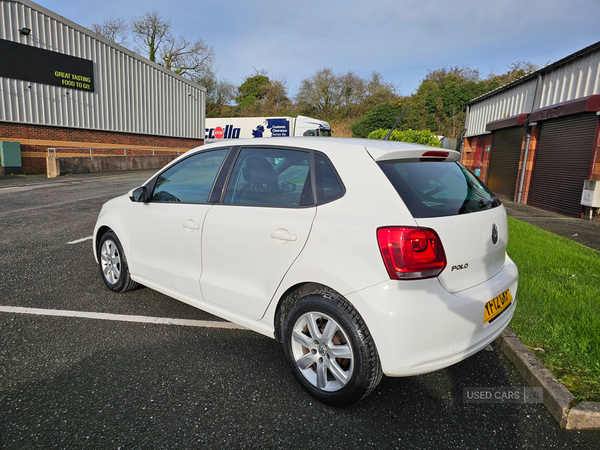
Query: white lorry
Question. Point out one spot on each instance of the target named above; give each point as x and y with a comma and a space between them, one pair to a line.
254, 127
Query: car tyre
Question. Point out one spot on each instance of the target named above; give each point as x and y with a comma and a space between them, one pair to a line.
329, 349
113, 264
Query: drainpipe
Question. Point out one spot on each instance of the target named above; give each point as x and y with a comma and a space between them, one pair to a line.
527, 127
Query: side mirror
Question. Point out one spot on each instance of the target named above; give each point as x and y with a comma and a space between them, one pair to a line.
138, 194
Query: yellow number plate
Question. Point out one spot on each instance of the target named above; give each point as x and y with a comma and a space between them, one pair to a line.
495, 306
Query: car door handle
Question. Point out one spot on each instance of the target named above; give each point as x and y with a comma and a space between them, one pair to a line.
190, 225
283, 235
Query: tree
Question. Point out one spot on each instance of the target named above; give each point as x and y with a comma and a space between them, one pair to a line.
220, 93
439, 103
149, 31
192, 59
378, 91
340, 96
274, 99
252, 89
352, 90
260, 95
515, 71
152, 33
382, 116
319, 94
187, 58
112, 29
465, 73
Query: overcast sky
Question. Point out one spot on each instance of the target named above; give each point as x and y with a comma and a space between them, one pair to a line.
401, 39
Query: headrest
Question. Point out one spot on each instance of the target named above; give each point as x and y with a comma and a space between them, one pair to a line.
259, 170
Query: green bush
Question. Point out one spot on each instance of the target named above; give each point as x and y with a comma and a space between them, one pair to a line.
382, 116
424, 137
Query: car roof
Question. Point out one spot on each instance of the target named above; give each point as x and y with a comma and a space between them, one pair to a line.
378, 149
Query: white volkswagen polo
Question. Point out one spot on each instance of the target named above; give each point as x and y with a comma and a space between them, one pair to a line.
362, 257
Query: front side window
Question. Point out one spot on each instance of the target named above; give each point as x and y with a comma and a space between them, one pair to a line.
436, 189
270, 177
190, 180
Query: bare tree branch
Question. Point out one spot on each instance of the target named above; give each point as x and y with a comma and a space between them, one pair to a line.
187, 58
149, 32
220, 93
112, 29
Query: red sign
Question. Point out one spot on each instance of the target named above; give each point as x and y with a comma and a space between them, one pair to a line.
219, 133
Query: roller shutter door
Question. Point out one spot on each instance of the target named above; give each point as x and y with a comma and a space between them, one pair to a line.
504, 162
562, 163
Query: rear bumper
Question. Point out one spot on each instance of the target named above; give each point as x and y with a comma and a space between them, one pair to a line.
419, 327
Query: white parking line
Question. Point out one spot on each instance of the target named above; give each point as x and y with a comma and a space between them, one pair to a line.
120, 317
80, 240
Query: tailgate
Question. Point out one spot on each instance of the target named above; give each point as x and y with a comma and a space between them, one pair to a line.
474, 251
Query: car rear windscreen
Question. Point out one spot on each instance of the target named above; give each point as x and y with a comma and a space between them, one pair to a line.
436, 189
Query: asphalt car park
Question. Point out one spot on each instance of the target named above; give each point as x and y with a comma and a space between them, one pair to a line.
85, 380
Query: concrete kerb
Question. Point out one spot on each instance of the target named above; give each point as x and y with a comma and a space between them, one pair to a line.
557, 398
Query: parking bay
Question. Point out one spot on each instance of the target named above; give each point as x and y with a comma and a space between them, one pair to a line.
83, 381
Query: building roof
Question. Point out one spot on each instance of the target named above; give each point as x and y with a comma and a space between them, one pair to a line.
541, 71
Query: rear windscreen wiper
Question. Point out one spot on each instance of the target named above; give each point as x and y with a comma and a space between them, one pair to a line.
487, 201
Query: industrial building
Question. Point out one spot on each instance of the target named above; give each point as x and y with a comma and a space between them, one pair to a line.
536, 140
66, 91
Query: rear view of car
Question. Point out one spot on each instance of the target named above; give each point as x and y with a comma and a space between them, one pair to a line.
460, 243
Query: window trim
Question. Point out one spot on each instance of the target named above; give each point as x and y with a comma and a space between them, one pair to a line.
150, 186
270, 147
223, 178
217, 194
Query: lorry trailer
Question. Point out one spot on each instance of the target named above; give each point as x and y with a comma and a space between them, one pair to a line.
254, 127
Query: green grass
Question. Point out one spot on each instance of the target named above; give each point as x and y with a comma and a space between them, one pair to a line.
558, 305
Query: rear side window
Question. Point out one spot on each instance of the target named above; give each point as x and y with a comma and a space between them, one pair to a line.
270, 177
436, 189
329, 186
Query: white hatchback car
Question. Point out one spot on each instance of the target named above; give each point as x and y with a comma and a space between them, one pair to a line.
363, 257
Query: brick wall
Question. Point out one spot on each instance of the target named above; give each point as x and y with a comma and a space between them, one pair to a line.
596, 164
469, 153
35, 141
471, 144
533, 145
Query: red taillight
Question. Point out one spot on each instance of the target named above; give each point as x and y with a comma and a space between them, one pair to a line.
411, 253
434, 155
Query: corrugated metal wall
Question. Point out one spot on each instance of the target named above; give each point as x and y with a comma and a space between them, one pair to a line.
575, 78
505, 104
131, 94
